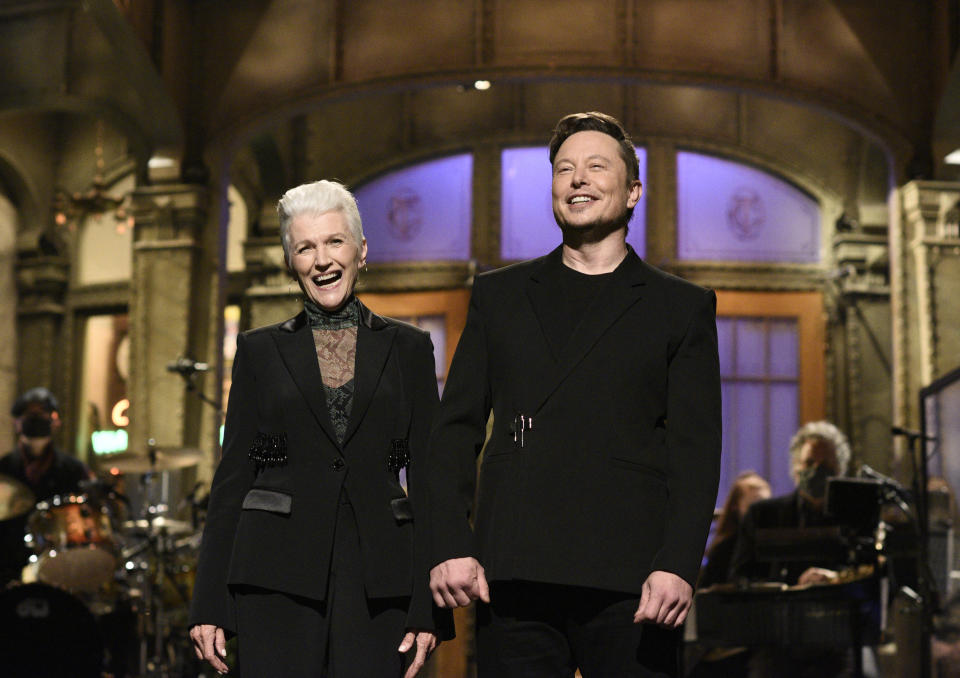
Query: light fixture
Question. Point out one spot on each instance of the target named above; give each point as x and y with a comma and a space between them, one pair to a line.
70, 208
953, 157
481, 85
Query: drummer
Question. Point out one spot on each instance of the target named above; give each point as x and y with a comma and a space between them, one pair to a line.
38, 464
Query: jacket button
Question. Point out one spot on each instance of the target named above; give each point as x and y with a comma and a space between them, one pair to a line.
337, 465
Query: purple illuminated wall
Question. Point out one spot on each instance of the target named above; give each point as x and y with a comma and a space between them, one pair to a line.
732, 212
419, 213
527, 227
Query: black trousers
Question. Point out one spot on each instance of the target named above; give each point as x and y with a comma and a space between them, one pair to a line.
345, 636
534, 630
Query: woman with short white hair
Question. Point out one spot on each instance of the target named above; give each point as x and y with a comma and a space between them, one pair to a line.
311, 552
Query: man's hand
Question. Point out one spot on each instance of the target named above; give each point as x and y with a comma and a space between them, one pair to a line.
425, 641
818, 575
665, 600
458, 582
210, 643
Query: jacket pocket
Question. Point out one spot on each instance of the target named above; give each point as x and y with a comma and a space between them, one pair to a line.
640, 467
402, 510
260, 499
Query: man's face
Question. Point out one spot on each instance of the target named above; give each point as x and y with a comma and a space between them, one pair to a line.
817, 462
36, 424
817, 453
590, 185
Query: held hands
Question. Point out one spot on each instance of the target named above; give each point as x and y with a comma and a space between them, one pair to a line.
665, 600
457, 582
210, 643
425, 641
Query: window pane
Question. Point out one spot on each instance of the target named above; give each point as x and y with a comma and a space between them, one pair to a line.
750, 424
783, 348
729, 211
751, 349
784, 422
725, 330
528, 228
419, 213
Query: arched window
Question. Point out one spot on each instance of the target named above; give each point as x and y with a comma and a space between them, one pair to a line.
419, 213
732, 212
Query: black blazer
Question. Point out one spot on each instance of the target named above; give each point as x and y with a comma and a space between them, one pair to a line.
271, 526
618, 475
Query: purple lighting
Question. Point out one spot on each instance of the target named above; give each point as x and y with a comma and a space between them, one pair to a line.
733, 212
419, 213
527, 227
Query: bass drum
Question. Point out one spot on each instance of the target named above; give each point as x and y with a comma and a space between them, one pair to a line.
47, 633
73, 536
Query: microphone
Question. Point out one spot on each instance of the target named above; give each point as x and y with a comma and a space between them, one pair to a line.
909, 433
187, 366
873, 474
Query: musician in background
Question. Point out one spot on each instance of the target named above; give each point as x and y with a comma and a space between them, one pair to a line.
37, 463
747, 488
726, 662
818, 451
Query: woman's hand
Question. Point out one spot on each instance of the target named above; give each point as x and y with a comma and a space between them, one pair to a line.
210, 643
426, 642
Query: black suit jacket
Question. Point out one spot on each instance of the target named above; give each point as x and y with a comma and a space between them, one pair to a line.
272, 526
618, 475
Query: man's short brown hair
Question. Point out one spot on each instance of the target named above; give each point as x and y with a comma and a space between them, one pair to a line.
594, 121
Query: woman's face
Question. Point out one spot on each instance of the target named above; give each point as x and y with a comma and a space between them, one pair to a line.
754, 489
325, 257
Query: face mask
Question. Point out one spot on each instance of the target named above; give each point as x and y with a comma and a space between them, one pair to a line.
813, 481
36, 426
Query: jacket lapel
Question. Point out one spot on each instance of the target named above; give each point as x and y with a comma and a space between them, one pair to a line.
294, 340
623, 291
374, 339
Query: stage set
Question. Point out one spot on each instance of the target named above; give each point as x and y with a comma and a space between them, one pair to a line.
799, 157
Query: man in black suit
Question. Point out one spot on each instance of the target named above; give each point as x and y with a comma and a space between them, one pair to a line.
600, 475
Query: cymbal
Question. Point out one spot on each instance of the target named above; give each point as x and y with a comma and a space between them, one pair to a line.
159, 524
164, 459
15, 498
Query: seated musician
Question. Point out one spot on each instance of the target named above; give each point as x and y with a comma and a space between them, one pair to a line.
818, 451
37, 463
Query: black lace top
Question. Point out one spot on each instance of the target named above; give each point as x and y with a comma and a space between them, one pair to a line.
335, 338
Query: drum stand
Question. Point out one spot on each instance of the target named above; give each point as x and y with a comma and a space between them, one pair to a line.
157, 629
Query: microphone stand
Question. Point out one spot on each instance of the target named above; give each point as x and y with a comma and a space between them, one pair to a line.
918, 458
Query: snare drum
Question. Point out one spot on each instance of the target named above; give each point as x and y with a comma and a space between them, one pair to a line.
73, 538
46, 632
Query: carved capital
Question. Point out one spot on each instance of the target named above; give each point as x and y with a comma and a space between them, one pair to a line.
42, 284
169, 213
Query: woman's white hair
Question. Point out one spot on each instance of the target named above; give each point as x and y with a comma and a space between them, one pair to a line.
318, 198
827, 432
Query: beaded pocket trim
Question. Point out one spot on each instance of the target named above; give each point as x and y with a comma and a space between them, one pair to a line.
399, 454
269, 449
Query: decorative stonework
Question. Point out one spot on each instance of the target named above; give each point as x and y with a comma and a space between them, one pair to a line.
169, 312
41, 289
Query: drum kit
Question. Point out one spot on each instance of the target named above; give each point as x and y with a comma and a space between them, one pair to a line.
108, 588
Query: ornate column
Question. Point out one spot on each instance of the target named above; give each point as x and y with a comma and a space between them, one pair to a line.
41, 286
169, 311
858, 295
928, 344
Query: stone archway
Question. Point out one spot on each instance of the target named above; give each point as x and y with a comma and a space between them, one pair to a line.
8, 313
